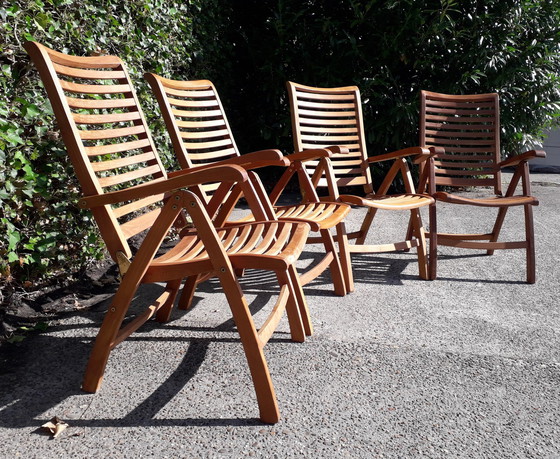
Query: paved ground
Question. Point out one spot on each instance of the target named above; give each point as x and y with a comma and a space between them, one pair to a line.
465, 366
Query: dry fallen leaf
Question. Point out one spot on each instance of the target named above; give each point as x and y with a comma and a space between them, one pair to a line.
55, 426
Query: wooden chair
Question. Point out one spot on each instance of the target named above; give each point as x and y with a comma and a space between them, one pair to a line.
463, 133
201, 134
129, 193
332, 118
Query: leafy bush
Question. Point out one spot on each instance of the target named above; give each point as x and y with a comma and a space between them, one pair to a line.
391, 50
41, 228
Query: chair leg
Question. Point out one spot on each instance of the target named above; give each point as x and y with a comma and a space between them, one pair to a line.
185, 300
292, 308
530, 238
335, 266
301, 301
106, 336
420, 234
344, 256
497, 227
432, 259
366, 224
262, 382
164, 312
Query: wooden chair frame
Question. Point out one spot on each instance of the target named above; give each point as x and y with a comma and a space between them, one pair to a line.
332, 118
111, 148
200, 134
463, 134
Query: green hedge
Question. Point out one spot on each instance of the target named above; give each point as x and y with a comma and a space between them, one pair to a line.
41, 229
390, 49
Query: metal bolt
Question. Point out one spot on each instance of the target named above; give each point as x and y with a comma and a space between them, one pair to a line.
113, 309
193, 204
222, 269
177, 197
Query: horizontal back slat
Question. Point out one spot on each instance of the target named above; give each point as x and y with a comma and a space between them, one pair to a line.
326, 117
467, 127
105, 134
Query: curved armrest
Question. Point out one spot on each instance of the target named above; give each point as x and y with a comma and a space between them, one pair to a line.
416, 151
309, 155
339, 150
248, 161
516, 159
190, 178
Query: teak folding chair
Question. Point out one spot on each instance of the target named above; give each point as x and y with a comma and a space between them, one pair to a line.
201, 134
332, 118
463, 133
129, 193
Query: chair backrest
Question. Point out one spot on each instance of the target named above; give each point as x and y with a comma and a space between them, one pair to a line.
195, 120
106, 137
468, 127
327, 117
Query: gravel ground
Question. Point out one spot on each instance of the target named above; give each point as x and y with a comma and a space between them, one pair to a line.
464, 366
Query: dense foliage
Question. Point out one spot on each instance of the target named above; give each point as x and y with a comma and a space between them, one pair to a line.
390, 49
41, 228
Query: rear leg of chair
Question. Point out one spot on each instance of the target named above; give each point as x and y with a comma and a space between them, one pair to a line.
344, 256
497, 227
420, 234
366, 224
335, 266
530, 238
187, 294
164, 312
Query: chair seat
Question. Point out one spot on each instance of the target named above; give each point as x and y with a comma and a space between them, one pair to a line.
263, 245
493, 201
325, 214
389, 202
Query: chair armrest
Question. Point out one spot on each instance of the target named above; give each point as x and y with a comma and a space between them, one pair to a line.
411, 151
231, 173
247, 161
309, 155
516, 159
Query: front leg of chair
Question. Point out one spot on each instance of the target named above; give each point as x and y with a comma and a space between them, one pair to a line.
301, 301
293, 309
262, 382
530, 238
187, 294
164, 312
335, 266
433, 254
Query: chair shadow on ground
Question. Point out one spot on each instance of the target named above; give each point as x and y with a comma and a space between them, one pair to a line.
45, 370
